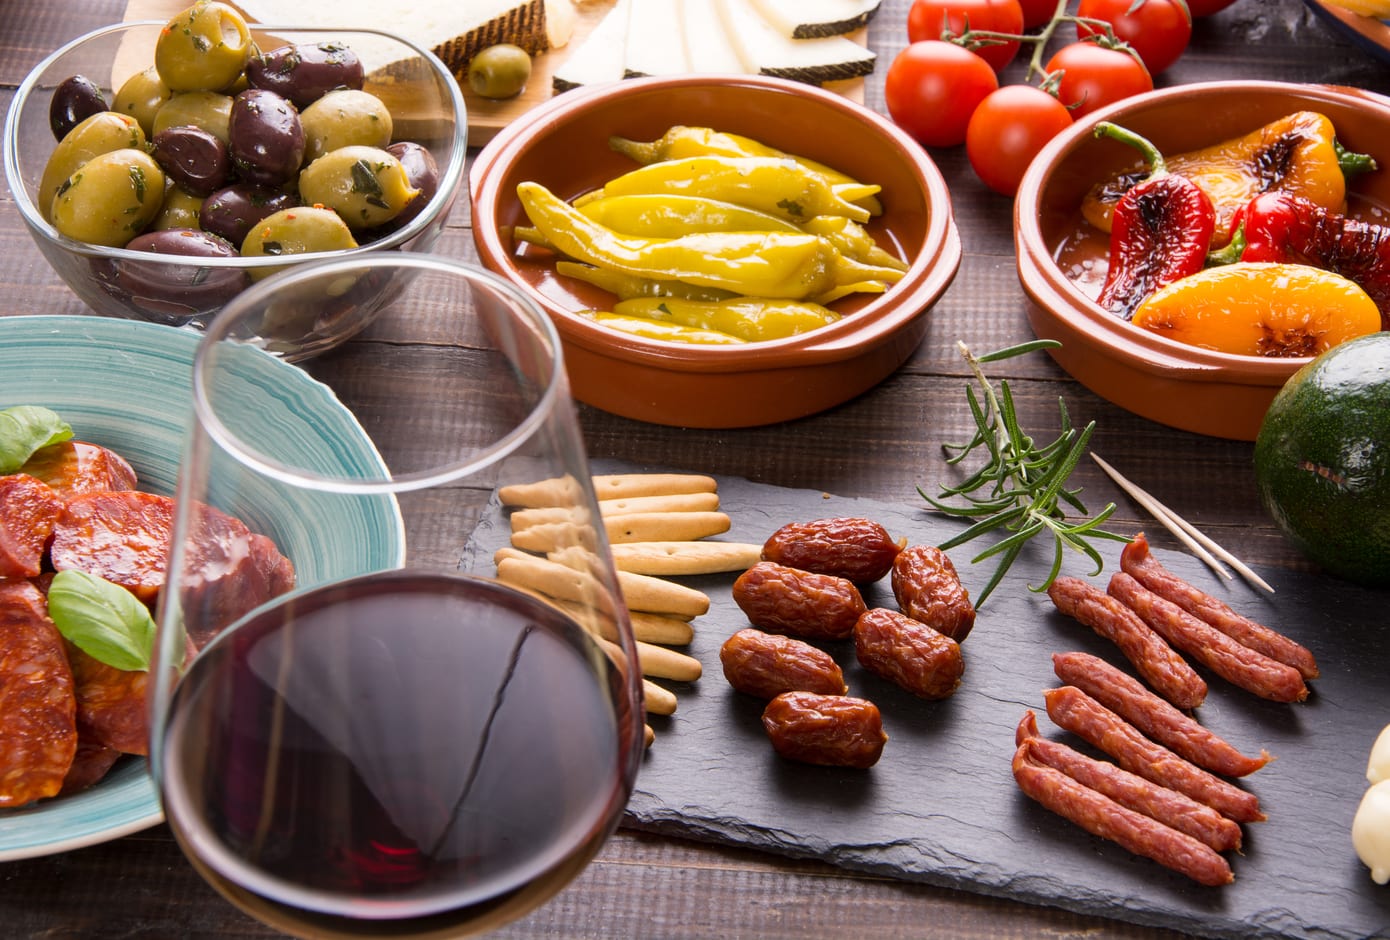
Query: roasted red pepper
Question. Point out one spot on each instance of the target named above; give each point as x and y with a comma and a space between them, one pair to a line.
1161, 230
1282, 227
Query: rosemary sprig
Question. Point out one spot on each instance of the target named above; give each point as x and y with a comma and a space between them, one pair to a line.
1021, 488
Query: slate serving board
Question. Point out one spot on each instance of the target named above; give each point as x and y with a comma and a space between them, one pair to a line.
941, 806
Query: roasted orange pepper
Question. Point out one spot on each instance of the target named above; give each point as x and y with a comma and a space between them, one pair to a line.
1297, 153
1260, 309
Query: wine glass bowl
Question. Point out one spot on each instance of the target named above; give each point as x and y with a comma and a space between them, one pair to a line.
419, 749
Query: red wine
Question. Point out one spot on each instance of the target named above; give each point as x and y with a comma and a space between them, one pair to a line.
401, 754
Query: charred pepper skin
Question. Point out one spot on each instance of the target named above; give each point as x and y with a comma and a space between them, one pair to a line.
1161, 231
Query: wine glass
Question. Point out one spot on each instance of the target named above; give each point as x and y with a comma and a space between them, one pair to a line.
358, 728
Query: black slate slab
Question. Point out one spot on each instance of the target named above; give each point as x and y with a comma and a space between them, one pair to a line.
941, 805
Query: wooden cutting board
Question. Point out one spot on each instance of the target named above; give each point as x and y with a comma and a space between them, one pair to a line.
485, 117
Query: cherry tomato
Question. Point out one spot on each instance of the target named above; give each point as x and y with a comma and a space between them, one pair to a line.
1008, 129
1159, 30
1207, 7
1093, 76
932, 88
928, 19
1037, 12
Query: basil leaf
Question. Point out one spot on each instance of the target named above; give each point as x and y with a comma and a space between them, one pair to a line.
104, 620
26, 428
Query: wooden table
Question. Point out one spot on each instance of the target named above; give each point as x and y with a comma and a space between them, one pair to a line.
881, 445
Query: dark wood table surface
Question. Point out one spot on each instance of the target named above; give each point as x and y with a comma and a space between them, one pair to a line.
880, 445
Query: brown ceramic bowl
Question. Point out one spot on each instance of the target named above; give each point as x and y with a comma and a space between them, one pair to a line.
563, 145
1184, 386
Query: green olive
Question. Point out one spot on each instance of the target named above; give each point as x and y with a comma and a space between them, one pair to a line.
141, 96
295, 232
110, 199
206, 109
180, 210
204, 48
344, 117
366, 186
98, 134
499, 71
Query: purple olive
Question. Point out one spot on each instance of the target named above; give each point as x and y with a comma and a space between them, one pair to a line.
232, 211
172, 290
193, 158
74, 100
302, 72
265, 137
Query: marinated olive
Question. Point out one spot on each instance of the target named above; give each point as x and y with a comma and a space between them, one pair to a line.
74, 100
305, 72
193, 158
203, 48
100, 133
499, 71
266, 138
345, 118
206, 109
365, 185
180, 209
176, 291
110, 198
423, 174
140, 96
295, 232
231, 212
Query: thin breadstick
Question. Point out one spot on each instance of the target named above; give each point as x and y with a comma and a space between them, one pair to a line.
655, 628
648, 735
547, 515
557, 491
548, 537
664, 526
673, 502
664, 604
658, 701
686, 558
552, 579
624, 485
662, 663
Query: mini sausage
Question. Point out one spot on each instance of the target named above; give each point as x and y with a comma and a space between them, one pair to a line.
856, 549
799, 603
910, 654
768, 664
832, 730
928, 590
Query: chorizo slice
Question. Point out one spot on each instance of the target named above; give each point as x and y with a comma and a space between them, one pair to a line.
29, 509
121, 536
1137, 562
38, 736
72, 468
89, 765
1162, 668
1075, 711
1127, 697
1230, 659
1101, 816
111, 703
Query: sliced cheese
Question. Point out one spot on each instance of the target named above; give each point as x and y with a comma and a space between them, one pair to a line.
600, 57
764, 49
654, 45
708, 49
810, 19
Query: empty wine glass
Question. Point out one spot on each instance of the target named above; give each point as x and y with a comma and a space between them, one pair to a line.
358, 729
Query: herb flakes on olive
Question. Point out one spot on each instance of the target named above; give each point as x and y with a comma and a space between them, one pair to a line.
345, 117
305, 72
296, 231
110, 199
367, 186
203, 48
499, 71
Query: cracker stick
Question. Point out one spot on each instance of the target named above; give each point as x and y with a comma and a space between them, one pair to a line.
545, 537
550, 578
658, 701
643, 592
664, 526
673, 502
686, 558
662, 663
666, 605
623, 485
654, 628
547, 515
557, 491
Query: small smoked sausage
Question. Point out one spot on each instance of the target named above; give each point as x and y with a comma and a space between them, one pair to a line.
833, 730
38, 736
767, 664
75, 467
911, 654
29, 509
928, 590
858, 550
799, 603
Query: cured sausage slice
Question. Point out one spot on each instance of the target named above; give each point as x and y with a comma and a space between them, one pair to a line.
120, 536
1128, 698
1138, 563
89, 765
28, 511
1163, 669
72, 468
111, 703
38, 737
1083, 716
1102, 816
1230, 659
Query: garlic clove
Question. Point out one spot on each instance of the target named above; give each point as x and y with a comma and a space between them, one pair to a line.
1378, 767
1370, 831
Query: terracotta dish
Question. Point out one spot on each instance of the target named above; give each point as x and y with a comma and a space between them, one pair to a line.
563, 145
1183, 386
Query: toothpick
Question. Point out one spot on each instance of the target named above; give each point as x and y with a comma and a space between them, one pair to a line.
1187, 533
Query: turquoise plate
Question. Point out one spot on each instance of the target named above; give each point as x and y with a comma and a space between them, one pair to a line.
126, 385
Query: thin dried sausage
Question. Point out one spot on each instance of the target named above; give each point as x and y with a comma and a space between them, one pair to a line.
908, 653
38, 737
28, 511
1162, 668
768, 664
928, 590
1102, 816
72, 468
1077, 712
801, 603
1230, 659
833, 730
1178, 732
1138, 563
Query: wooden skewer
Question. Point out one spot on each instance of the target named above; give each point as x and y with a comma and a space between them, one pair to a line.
1190, 536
